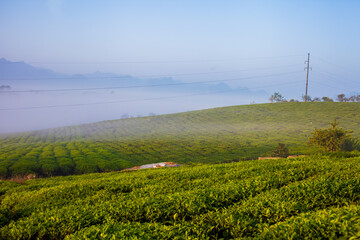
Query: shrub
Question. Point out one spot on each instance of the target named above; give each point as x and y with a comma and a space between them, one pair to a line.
281, 151
333, 139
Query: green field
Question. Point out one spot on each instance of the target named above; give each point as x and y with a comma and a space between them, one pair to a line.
315, 197
208, 136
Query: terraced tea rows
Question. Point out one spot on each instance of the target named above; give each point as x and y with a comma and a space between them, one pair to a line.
208, 136
317, 197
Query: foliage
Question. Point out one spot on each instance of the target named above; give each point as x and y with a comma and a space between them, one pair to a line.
323, 224
277, 97
351, 144
327, 99
307, 98
280, 151
353, 98
341, 97
331, 139
208, 136
317, 197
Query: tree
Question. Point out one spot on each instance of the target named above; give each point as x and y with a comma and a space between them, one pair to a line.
327, 99
308, 98
357, 98
280, 151
341, 97
276, 97
351, 99
331, 139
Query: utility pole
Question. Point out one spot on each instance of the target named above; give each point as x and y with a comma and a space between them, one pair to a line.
307, 76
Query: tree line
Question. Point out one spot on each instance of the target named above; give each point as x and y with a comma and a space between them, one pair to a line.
278, 97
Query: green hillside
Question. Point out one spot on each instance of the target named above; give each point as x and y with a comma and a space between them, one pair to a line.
306, 198
207, 136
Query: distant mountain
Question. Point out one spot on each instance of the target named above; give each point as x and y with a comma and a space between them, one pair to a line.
10, 72
20, 70
5, 88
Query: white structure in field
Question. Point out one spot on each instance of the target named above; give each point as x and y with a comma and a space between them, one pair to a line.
155, 165
158, 165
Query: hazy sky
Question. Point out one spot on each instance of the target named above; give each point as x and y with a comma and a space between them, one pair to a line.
186, 36
65, 31
112, 35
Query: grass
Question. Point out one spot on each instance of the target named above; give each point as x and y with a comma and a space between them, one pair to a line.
208, 136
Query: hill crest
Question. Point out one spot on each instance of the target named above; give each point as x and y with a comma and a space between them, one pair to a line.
209, 136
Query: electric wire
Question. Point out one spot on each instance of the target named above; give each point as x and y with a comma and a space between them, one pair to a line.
138, 100
334, 76
85, 77
147, 86
326, 85
333, 64
168, 61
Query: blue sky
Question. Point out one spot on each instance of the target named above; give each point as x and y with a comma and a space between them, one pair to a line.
171, 37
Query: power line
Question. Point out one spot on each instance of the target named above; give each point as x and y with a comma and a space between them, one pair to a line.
146, 86
137, 100
214, 72
322, 84
84, 77
333, 64
334, 76
166, 61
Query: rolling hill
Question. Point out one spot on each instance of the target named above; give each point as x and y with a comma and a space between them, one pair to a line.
208, 136
306, 198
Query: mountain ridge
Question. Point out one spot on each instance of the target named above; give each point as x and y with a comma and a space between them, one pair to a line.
12, 71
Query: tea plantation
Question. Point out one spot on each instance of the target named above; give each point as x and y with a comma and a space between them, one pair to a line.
316, 197
208, 136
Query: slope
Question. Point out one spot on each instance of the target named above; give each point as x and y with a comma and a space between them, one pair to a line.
207, 136
306, 198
